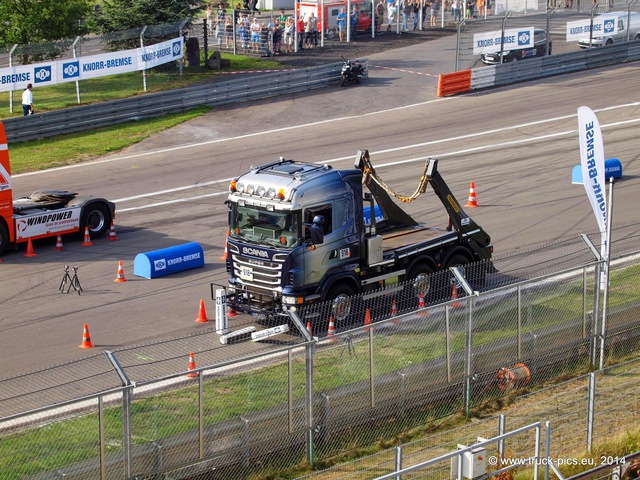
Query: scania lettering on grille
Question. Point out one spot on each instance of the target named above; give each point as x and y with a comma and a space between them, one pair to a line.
255, 252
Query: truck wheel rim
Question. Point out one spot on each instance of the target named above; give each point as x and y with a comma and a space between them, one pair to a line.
421, 284
341, 307
95, 221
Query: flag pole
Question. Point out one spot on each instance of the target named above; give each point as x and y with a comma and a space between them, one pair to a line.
605, 299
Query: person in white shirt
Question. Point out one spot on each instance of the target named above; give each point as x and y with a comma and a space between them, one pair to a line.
27, 100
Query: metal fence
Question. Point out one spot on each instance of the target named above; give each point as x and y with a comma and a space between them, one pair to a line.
122, 415
87, 117
588, 423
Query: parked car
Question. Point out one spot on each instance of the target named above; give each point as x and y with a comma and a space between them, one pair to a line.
620, 35
539, 49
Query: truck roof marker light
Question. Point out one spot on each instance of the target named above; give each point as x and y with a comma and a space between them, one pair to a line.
313, 247
237, 231
281, 193
232, 186
283, 240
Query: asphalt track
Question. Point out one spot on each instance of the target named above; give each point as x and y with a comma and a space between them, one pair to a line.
518, 144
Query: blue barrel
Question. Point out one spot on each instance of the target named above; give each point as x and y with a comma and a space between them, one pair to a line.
166, 261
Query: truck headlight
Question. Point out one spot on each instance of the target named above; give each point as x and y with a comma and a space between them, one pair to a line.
292, 300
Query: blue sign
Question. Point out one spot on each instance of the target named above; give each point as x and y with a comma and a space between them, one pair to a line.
524, 39
170, 260
71, 69
610, 25
42, 74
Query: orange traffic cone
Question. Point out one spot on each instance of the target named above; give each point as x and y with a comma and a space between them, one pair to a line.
394, 308
192, 366
309, 328
473, 202
367, 319
421, 300
59, 246
231, 312
332, 329
86, 338
120, 276
454, 295
112, 233
226, 247
202, 314
87, 239
30, 252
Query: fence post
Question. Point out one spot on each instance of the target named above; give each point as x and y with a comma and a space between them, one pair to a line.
201, 414
447, 341
103, 471
144, 70
547, 448
501, 429
591, 409
372, 390
468, 360
13, 49
75, 55
126, 410
290, 388
398, 461
180, 27
519, 328
309, 353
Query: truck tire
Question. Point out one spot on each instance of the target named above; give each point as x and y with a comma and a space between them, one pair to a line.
418, 281
4, 238
342, 304
457, 260
97, 217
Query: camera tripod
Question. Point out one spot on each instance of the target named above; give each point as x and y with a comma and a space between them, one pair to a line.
70, 282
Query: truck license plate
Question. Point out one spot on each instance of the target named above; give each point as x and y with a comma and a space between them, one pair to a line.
246, 273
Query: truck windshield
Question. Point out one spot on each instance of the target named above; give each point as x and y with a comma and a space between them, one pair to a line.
259, 225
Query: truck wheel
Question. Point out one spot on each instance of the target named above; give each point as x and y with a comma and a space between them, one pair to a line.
341, 303
418, 282
97, 217
457, 260
4, 238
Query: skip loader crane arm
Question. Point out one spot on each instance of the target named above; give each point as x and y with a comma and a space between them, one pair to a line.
476, 237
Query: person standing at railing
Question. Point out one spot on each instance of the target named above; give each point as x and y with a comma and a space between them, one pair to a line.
27, 100
342, 19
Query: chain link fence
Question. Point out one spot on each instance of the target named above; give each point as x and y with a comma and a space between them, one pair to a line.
267, 406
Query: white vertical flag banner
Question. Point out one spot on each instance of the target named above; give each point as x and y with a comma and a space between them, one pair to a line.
592, 161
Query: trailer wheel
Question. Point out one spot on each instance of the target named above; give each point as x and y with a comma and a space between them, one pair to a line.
97, 217
4, 238
457, 260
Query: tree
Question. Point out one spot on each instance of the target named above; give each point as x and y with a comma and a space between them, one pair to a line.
115, 15
35, 21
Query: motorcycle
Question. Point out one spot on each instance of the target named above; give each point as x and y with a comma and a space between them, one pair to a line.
351, 72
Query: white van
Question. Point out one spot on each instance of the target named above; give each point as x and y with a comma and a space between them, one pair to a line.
620, 35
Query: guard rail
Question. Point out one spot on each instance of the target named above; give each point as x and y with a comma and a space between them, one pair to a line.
535, 68
254, 87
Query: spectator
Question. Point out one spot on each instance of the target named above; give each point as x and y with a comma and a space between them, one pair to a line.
228, 32
27, 100
307, 32
254, 6
300, 32
456, 9
208, 15
416, 13
245, 35
221, 14
289, 35
470, 8
481, 8
407, 8
264, 43
435, 9
314, 30
391, 16
219, 32
342, 23
282, 18
381, 10
255, 35
276, 37
355, 19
